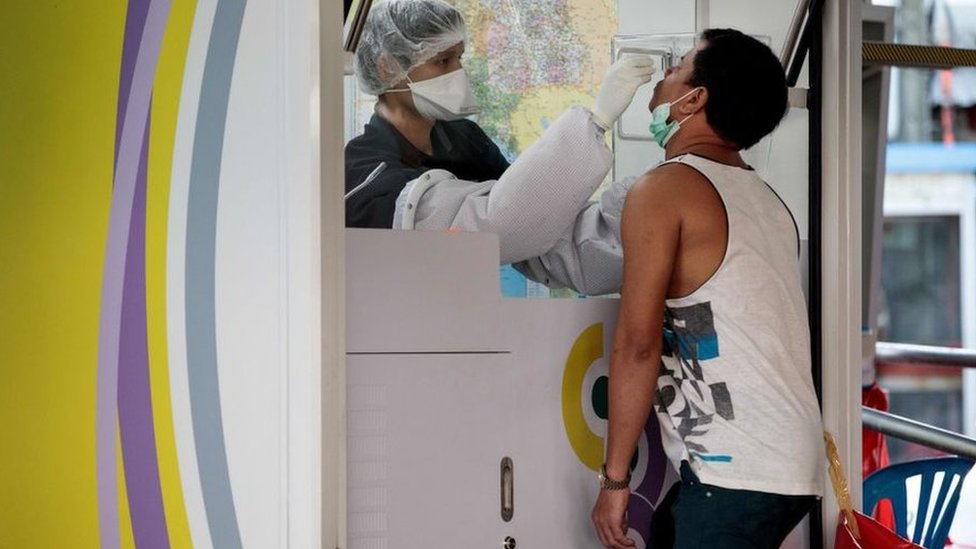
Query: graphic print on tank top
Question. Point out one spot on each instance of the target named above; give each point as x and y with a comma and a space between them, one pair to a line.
684, 392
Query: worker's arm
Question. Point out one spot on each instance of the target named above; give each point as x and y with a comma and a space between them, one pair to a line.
532, 205
535, 203
588, 257
650, 230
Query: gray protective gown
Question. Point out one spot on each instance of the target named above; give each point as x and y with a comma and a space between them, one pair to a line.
540, 209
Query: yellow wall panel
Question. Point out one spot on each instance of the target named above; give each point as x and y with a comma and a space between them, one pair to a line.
57, 130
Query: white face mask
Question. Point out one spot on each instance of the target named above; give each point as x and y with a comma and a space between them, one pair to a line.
445, 97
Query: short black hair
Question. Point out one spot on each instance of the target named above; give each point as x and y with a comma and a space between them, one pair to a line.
747, 91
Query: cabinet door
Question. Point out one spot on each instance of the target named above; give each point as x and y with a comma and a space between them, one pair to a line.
561, 406
426, 437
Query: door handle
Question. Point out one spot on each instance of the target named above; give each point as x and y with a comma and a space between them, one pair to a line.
507, 489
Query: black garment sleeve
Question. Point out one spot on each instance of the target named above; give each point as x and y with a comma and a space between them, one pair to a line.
492, 162
373, 206
460, 147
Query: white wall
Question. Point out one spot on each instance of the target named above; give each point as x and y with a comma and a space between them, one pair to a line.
266, 272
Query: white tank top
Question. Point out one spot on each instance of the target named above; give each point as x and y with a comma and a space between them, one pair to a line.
735, 393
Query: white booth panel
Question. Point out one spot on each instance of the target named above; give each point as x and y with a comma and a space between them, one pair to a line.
490, 378
426, 436
392, 305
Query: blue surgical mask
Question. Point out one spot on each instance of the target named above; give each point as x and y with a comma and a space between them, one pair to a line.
660, 128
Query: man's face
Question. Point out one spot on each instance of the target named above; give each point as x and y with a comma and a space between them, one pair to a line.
444, 62
676, 78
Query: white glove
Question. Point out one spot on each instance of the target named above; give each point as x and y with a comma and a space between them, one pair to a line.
619, 86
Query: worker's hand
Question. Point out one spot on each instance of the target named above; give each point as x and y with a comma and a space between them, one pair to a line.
610, 519
619, 86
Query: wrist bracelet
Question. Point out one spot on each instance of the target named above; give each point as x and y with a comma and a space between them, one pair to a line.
607, 483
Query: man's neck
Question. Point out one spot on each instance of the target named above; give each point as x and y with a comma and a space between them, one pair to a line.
708, 146
414, 127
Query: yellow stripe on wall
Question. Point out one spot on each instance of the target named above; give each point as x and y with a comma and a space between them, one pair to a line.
127, 538
60, 67
166, 98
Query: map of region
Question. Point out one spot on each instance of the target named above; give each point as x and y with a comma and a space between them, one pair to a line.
529, 60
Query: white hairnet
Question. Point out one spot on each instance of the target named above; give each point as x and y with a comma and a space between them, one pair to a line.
402, 34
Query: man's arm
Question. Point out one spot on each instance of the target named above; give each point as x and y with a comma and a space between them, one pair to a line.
650, 231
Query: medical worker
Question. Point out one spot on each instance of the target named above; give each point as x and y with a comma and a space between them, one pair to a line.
426, 167
409, 55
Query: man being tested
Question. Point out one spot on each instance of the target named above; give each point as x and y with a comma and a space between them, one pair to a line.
709, 248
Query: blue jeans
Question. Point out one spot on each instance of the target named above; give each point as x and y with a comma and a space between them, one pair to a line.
695, 515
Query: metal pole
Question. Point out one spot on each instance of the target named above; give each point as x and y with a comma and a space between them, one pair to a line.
356, 24
920, 433
913, 28
793, 34
925, 354
815, 229
796, 63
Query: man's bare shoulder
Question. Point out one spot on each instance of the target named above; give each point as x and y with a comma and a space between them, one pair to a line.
670, 185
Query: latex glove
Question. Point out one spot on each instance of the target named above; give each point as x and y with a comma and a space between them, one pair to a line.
619, 86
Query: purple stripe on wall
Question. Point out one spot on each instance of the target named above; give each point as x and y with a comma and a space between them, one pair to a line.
129, 155
135, 396
135, 22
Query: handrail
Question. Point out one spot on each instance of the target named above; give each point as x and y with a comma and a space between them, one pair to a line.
800, 50
924, 355
916, 55
356, 24
920, 433
793, 33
